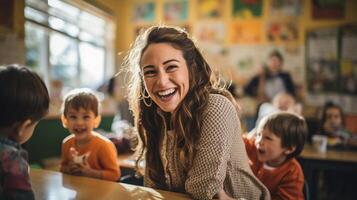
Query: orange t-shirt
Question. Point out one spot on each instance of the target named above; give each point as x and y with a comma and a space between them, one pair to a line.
100, 153
284, 182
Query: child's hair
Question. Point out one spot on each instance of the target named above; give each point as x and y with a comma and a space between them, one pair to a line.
81, 98
327, 106
291, 128
23, 95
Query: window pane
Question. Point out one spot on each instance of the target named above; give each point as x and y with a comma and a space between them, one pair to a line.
92, 24
92, 65
63, 59
60, 8
36, 47
35, 15
64, 26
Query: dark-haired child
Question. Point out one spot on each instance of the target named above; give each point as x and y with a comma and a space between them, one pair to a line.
278, 139
24, 101
85, 152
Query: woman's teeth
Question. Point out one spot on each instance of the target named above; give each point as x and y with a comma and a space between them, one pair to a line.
166, 92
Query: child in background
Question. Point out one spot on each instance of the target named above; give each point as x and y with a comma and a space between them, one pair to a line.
85, 152
333, 125
279, 138
24, 100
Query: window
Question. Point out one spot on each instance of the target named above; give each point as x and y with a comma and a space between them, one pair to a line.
70, 42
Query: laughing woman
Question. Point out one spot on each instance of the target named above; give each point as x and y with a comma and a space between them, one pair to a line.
189, 127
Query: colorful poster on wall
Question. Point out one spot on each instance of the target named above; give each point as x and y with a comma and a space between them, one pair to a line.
175, 10
247, 8
210, 32
144, 11
285, 8
328, 9
246, 32
210, 8
282, 31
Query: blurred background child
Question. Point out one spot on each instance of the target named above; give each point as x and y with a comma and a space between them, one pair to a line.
24, 100
333, 126
272, 149
85, 152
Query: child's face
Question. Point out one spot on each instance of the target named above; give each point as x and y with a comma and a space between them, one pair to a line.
333, 118
269, 148
80, 122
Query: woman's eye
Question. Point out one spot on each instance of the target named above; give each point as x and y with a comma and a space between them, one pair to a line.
72, 117
149, 73
171, 68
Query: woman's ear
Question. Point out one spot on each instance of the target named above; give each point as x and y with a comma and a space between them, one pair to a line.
64, 121
97, 121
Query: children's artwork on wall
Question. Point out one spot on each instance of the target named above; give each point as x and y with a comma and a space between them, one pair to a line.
144, 11
285, 8
247, 60
210, 32
282, 31
331, 9
247, 8
175, 10
210, 8
246, 32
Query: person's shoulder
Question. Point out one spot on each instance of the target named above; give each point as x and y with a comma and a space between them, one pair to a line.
100, 139
218, 100
68, 139
292, 166
219, 105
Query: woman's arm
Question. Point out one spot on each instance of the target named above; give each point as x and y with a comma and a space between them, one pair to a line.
208, 172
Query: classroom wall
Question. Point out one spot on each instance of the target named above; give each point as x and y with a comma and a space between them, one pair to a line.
126, 27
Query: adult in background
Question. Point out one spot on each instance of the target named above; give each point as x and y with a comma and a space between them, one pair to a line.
271, 80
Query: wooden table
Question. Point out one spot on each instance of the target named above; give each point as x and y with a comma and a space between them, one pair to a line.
313, 161
55, 185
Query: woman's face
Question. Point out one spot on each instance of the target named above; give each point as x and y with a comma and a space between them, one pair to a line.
165, 75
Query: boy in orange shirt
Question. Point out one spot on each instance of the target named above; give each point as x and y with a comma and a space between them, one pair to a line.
272, 149
85, 152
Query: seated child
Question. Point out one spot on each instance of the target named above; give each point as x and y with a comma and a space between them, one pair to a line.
333, 125
85, 152
24, 101
272, 149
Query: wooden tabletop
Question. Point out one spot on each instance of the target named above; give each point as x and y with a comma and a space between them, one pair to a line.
55, 185
310, 152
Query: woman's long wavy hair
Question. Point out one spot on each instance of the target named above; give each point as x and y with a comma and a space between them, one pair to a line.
150, 121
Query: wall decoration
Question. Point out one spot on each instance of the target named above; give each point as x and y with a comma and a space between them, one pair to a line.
210, 8
247, 8
331, 9
144, 11
175, 10
246, 32
282, 31
210, 32
285, 8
